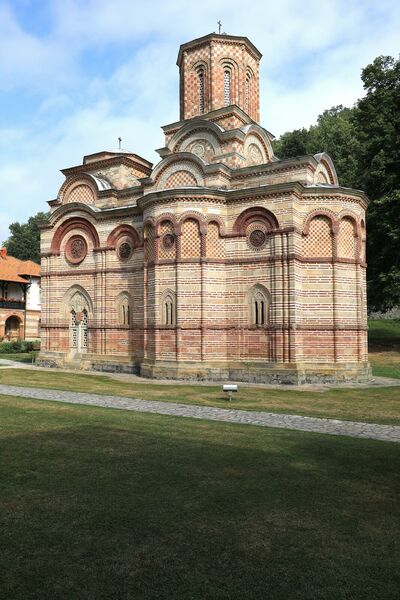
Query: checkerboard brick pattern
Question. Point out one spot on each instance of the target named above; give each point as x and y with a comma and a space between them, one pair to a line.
215, 245
180, 179
167, 243
346, 243
318, 241
81, 193
190, 239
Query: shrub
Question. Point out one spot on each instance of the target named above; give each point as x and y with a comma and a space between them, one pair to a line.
19, 346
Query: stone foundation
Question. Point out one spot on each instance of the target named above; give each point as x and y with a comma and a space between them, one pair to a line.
251, 372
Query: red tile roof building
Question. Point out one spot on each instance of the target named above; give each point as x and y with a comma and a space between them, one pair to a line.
19, 298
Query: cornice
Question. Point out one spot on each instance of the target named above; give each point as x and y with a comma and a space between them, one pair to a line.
107, 162
332, 193
214, 115
212, 195
281, 166
219, 38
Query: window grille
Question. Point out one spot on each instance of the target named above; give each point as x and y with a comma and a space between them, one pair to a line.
259, 308
74, 330
84, 329
201, 91
247, 103
227, 87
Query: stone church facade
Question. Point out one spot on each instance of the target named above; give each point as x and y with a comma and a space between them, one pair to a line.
222, 261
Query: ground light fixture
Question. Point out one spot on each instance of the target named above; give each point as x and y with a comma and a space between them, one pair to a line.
229, 389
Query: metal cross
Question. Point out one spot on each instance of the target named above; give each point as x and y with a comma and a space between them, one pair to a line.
219, 26
119, 143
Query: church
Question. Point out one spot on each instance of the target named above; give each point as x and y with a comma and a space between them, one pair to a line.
221, 261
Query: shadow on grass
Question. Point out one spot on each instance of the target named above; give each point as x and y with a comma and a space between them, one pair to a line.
100, 505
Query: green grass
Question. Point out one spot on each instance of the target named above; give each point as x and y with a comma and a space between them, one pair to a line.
101, 504
384, 346
23, 357
375, 405
385, 364
384, 333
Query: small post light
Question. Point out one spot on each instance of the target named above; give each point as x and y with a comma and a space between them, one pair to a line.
230, 388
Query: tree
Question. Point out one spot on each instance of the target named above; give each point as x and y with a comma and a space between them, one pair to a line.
364, 143
24, 241
377, 120
293, 143
335, 134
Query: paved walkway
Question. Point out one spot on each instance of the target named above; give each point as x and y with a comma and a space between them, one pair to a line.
390, 433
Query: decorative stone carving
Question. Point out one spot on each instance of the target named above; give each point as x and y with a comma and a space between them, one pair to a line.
78, 304
76, 249
199, 149
257, 238
254, 154
124, 250
168, 241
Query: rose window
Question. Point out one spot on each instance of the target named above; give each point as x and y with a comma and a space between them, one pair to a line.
124, 250
76, 249
257, 238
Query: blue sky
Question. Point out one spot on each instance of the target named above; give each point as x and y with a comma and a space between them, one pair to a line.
76, 74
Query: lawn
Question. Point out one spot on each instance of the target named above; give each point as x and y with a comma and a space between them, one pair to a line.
23, 357
107, 504
375, 405
384, 332
384, 347
385, 363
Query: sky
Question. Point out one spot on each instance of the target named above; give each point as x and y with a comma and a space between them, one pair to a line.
77, 74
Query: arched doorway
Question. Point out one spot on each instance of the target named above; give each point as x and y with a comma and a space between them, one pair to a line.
12, 328
79, 330
78, 315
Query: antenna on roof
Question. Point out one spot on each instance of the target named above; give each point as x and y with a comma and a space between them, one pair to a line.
119, 143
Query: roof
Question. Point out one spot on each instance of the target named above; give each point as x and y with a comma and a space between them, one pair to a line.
13, 269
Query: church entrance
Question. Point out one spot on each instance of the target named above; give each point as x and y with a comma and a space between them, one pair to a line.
79, 331
12, 328
78, 310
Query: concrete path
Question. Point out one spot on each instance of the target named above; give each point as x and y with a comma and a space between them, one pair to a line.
6, 362
390, 433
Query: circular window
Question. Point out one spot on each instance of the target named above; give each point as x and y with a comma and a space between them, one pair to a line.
124, 251
257, 238
76, 249
168, 241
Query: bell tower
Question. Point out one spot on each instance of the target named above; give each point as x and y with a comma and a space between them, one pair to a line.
217, 71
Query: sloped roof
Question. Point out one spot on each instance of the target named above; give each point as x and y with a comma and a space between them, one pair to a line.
13, 269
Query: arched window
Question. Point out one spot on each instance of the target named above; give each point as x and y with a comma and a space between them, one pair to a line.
124, 309
247, 94
227, 87
201, 90
259, 310
259, 303
168, 308
74, 330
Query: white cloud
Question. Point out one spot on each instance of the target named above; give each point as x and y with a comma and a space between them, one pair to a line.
107, 69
